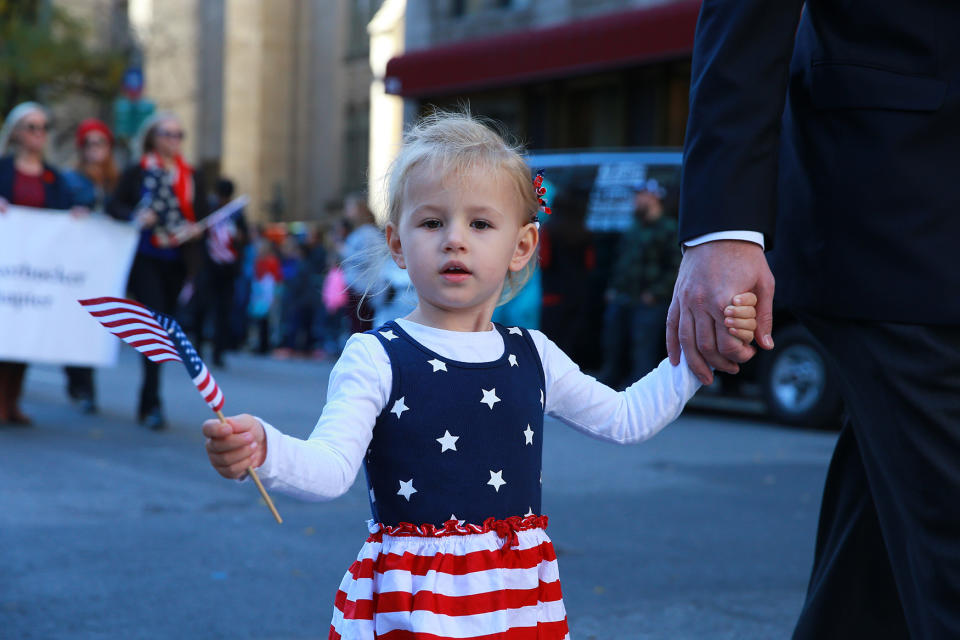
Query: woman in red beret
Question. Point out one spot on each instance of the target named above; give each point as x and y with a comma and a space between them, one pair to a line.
95, 177
91, 183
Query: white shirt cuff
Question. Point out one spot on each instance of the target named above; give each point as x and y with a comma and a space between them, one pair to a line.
750, 236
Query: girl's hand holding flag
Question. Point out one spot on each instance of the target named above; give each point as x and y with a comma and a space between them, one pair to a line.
236, 445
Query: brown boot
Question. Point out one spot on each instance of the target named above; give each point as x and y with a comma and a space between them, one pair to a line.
14, 389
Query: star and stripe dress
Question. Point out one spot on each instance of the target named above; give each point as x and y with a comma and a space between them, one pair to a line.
448, 427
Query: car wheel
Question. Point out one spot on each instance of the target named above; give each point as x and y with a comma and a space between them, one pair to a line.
799, 385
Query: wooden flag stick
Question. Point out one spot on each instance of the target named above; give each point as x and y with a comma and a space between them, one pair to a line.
256, 479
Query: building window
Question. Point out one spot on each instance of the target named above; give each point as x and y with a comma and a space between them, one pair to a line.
356, 149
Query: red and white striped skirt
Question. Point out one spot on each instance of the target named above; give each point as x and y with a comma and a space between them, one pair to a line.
497, 581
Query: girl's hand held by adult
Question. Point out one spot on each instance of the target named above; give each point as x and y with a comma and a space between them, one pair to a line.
740, 317
235, 445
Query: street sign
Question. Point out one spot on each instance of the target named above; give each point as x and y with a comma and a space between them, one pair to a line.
128, 115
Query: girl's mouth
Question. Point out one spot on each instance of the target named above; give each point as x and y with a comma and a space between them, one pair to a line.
455, 272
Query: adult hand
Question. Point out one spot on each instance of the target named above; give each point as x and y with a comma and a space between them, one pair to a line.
146, 218
710, 275
189, 232
235, 445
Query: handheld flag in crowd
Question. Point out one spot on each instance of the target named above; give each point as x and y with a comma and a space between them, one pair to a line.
160, 338
221, 231
225, 212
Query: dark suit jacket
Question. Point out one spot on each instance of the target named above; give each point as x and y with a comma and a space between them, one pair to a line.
57, 194
840, 144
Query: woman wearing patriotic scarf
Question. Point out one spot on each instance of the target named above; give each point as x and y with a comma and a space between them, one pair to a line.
164, 194
26, 180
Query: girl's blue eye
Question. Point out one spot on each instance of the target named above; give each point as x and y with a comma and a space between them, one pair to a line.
481, 224
431, 224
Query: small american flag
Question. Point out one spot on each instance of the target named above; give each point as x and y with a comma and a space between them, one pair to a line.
222, 229
157, 336
220, 243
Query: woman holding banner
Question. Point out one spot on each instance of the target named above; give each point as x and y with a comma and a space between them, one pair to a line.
167, 197
91, 183
26, 180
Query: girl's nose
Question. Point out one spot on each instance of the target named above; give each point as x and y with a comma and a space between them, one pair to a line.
454, 238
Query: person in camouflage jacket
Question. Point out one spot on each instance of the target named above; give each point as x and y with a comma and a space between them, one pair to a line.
641, 286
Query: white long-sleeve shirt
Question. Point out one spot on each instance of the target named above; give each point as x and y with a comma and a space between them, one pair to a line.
325, 465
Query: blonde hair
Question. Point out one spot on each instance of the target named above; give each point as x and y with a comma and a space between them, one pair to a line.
457, 142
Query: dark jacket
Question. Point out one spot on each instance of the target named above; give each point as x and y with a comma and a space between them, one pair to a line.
57, 194
840, 145
85, 192
648, 261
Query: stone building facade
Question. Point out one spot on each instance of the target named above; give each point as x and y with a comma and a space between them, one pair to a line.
275, 95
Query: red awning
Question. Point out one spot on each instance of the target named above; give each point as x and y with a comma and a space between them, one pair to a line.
609, 41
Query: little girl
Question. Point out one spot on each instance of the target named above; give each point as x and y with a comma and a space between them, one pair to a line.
445, 410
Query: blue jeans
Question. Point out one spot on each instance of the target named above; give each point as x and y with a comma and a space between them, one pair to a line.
633, 340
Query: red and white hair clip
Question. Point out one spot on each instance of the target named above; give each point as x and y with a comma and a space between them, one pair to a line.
540, 191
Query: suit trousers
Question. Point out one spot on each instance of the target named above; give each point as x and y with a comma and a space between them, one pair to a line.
887, 558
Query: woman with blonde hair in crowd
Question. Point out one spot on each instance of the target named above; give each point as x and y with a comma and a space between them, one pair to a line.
26, 180
167, 196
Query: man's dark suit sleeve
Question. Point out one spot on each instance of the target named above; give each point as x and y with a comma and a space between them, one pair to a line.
738, 87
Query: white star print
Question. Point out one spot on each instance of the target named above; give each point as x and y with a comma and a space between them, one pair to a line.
529, 512
512, 359
515, 330
448, 442
528, 434
496, 480
438, 365
490, 397
399, 407
459, 522
406, 489
389, 335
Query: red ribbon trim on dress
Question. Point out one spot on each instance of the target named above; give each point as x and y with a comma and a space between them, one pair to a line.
506, 529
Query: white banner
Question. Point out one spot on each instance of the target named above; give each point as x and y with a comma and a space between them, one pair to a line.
49, 260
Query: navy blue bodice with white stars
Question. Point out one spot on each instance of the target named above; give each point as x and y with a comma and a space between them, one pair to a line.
457, 439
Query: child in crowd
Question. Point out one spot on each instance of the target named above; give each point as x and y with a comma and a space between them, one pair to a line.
445, 410
267, 275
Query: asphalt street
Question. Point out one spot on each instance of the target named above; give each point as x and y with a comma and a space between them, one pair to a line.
108, 530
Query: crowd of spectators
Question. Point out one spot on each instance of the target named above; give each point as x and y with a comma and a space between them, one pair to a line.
280, 290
